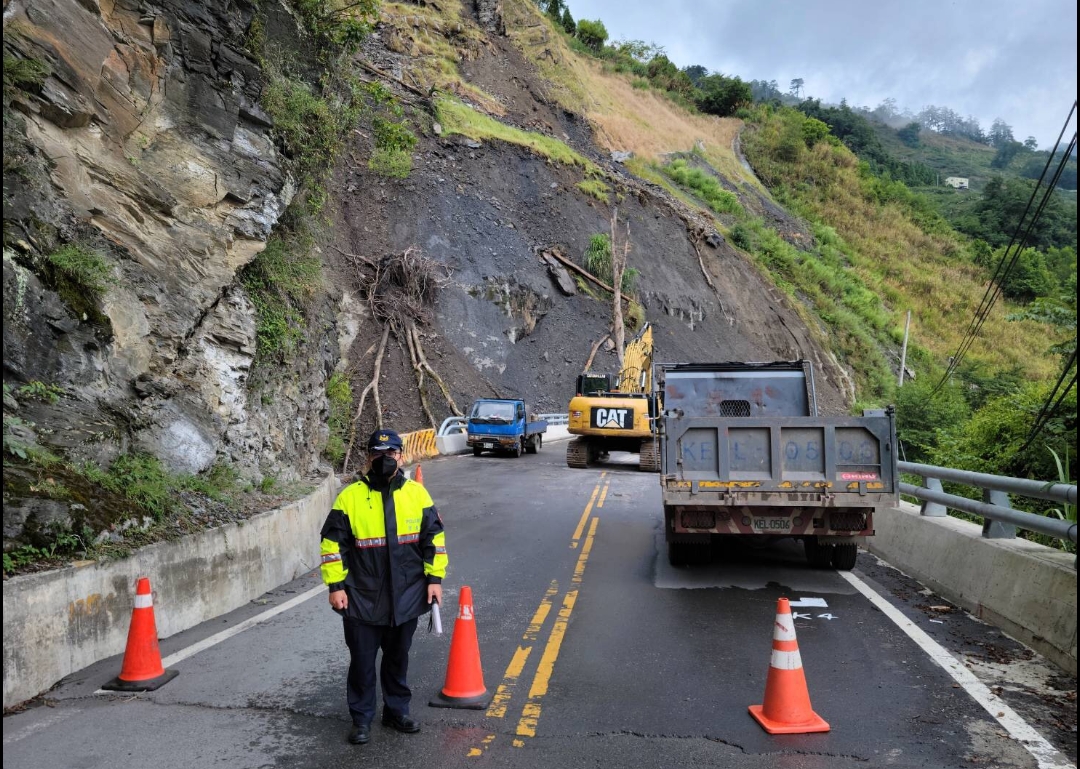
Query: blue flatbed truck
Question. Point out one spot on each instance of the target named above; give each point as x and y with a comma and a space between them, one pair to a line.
504, 425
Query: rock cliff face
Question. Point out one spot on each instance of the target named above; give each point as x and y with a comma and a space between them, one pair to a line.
146, 144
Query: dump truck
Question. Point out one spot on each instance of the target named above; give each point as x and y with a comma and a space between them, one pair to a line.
504, 425
616, 413
744, 454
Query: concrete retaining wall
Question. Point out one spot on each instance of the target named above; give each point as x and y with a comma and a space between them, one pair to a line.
1026, 590
58, 622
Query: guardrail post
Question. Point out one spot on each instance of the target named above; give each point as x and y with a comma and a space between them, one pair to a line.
933, 509
996, 529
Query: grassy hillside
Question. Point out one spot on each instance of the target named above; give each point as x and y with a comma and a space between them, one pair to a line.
896, 247
947, 155
624, 117
879, 250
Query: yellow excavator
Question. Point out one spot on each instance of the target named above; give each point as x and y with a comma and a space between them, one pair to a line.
610, 413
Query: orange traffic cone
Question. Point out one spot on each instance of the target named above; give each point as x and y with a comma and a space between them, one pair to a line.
787, 702
464, 687
142, 670
418, 476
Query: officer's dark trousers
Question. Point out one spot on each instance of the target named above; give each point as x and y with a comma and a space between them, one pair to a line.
364, 642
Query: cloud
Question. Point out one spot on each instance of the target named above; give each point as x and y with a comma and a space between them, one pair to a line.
990, 59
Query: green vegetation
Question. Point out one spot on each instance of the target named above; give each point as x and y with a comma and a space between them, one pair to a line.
595, 188
394, 141
135, 487
597, 261
459, 118
311, 128
704, 185
340, 396
857, 134
141, 479
994, 214
280, 282
39, 391
81, 277
593, 34
64, 543
691, 87
24, 74
338, 24
893, 244
16, 445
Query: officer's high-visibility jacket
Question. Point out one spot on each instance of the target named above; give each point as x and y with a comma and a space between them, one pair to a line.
383, 548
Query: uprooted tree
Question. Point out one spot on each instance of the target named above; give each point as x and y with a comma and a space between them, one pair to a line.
400, 290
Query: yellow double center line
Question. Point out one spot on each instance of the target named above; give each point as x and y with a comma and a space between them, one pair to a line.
530, 713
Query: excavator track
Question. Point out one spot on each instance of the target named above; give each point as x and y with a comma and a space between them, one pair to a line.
649, 458
577, 453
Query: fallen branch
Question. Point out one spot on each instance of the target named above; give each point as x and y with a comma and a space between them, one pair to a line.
695, 240
419, 371
372, 385
595, 349
386, 75
585, 273
430, 371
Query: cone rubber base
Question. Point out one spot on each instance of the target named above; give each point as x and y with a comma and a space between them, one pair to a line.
478, 702
815, 724
148, 685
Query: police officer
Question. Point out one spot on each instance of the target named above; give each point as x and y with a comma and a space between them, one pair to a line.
383, 558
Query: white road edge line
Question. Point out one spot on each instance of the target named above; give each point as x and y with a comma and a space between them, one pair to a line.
1047, 756
224, 635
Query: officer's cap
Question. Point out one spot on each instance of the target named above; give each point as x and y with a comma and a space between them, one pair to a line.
384, 440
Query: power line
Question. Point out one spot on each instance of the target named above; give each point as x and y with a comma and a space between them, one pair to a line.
1023, 216
1047, 411
1018, 251
1006, 265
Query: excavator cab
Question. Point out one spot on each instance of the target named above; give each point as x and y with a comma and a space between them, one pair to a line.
594, 384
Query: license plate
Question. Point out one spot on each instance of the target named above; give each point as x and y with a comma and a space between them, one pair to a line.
771, 524
488, 445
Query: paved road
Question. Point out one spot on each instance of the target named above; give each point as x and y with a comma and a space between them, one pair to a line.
602, 654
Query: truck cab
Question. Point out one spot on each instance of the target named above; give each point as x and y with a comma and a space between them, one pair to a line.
504, 425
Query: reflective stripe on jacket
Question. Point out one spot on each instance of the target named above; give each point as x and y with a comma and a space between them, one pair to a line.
384, 548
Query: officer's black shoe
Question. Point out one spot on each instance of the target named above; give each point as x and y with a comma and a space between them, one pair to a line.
360, 734
401, 723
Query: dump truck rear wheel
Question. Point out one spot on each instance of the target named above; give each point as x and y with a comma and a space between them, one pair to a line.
817, 554
477, 451
844, 556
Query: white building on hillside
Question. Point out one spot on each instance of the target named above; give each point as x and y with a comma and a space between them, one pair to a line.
957, 182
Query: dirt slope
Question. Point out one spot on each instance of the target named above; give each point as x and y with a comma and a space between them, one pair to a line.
485, 210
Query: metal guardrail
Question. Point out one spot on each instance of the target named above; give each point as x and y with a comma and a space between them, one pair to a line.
1000, 519
555, 419
453, 425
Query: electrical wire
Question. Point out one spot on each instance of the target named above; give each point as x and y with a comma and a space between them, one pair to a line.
1024, 242
1006, 265
1047, 412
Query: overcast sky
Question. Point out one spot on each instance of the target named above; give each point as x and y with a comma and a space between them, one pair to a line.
1012, 59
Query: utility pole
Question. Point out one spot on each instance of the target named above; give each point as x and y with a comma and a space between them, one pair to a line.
903, 351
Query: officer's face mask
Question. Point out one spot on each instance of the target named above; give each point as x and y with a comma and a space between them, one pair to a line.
385, 465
